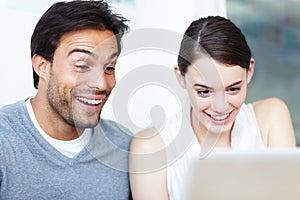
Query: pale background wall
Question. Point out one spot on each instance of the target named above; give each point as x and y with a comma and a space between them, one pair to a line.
273, 34
18, 19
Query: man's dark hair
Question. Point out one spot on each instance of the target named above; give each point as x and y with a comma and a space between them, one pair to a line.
65, 17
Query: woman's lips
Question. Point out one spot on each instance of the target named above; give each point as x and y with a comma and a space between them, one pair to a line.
219, 119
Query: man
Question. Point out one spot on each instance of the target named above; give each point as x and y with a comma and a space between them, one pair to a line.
54, 145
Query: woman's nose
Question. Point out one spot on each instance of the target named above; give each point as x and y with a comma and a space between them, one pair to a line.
219, 103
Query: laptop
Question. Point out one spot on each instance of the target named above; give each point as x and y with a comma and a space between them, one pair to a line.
272, 174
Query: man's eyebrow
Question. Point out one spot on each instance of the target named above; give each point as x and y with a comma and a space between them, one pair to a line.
112, 56
81, 51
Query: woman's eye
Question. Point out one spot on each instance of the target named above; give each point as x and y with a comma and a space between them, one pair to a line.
203, 93
109, 70
234, 90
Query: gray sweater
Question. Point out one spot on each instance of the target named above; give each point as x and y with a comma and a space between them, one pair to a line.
30, 168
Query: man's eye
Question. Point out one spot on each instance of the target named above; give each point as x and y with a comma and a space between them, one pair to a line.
82, 67
109, 70
203, 93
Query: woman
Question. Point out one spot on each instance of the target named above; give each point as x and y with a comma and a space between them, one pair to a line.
214, 67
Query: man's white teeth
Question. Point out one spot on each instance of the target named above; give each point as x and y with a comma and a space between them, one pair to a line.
219, 117
90, 101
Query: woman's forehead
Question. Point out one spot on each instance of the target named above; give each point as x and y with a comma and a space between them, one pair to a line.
209, 72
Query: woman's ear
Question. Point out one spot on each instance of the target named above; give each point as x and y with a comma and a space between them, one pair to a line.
250, 71
179, 76
40, 65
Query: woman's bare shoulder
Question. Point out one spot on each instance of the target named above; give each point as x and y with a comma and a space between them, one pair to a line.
269, 105
147, 165
147, 141
275, 122
270, 112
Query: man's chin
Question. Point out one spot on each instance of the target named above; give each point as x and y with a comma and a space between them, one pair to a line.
88, 122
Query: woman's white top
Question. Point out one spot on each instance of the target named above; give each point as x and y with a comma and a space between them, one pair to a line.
182, 145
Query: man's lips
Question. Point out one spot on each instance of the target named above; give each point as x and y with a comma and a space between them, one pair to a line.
90, 101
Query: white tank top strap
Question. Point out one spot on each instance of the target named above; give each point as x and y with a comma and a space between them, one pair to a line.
178, 136
246, 133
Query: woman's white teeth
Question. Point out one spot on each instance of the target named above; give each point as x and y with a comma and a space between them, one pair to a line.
219, 117
89, 101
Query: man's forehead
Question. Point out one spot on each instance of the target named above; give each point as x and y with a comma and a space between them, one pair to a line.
89, 39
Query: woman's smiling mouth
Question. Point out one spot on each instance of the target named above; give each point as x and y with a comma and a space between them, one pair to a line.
219, 118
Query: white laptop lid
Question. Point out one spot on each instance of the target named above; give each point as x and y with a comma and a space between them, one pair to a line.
257, 175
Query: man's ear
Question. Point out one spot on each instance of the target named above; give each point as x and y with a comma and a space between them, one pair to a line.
250, 71
179, 76
41, 66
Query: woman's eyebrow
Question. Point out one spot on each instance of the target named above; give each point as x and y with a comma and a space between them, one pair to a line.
200, 85
207, 87
234, 84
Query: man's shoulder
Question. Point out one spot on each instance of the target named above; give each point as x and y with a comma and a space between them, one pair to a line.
11, 115
116, 132
114, 126
11, 119
10, 109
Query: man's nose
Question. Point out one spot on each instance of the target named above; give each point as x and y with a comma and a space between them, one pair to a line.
97, 79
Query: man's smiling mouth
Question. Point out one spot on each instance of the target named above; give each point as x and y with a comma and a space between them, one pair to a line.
93, 102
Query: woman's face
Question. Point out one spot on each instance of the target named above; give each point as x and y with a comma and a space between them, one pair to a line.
216, 91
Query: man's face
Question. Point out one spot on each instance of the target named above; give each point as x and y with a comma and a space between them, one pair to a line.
82, 76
